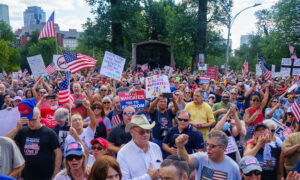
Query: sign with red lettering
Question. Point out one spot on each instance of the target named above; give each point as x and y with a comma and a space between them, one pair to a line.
135, 99
60, 63
212, 72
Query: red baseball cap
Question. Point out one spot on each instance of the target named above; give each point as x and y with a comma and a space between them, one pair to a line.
101, 141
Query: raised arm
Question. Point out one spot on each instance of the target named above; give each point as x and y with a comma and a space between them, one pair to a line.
154, 104
47, 87
90, 113
34, 93
180, 143
266, 97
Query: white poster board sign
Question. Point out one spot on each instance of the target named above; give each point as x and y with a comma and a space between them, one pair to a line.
281, 129
168, 71
284, 72
258, 70
286, 62
297, 62
60, 63
156, 85
296, 72
15, 75
37, 66
8, 120
112, 65
273, 68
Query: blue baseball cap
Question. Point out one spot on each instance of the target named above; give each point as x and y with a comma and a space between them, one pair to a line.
74, 148
26, 108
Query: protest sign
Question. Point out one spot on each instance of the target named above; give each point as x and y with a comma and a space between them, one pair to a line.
281, 129
135, 99
284, 72
212, 72
112, 65
202, 67
288, 65
60, 63
168, 71
201, 58
37, 66
273, 68
204, 79
8, 120
15, 75
156, 85
231, 146
258, 70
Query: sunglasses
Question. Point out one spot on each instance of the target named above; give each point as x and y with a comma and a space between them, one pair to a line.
98, 148
275, 101
188, 92
71, 157
211, 145
272, 130
106, 102
96, 107
181, 119
128, 113
103, 90
225, 97
257, 100
143, 132
256, 173
233, 93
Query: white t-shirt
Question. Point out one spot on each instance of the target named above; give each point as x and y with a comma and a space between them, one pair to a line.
60, 176
86, 136
91, 160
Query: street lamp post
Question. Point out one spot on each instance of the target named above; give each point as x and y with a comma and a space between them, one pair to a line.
229, 25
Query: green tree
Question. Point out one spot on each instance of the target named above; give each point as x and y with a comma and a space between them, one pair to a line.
6, 32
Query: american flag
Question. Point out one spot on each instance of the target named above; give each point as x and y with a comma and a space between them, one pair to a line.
211, 174
246, 66
115, 120
266, 72
49, 28
31, 145
64, 94
4, 72
295, 109
51, 68
291, 49
77, 62
144, 67
294, 56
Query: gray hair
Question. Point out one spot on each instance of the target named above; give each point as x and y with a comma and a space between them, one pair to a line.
220, 135
270, 122
226, 92
37, 111
178, 162
106, 98
61, 114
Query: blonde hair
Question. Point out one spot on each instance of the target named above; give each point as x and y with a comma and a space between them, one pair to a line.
67, 169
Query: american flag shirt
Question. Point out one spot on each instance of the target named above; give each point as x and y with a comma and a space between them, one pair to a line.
206, 169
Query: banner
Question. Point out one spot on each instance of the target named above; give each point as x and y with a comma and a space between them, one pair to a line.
281, 130
136, 99
287, 65
212, 72
37, 66
60, 63
202, 67
204, 79
156, 85
8, 120
112, 65
258, 70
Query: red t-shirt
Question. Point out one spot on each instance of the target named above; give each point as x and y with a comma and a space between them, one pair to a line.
47, 117
259, 118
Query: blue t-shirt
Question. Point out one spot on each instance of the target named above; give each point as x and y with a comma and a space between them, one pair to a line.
163, 121
278, 114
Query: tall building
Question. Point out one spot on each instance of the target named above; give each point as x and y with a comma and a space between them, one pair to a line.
4, 13
34, 15
68, 39
245, 39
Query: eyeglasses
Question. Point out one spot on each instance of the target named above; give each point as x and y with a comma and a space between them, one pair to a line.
143, 132
225, 97
272, 130
71, 157
211, 145
188, 92
129, 113
98, 148
233, 93
103, 90
257, 100
256, 173
106, 102
176, 94
43, 92
97, 107
275, 101
181, 119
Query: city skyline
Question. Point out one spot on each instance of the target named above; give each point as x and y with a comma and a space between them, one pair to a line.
67, 16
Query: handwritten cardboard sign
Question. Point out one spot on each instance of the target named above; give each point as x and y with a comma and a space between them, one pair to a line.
156, 85
37, 66
112, 65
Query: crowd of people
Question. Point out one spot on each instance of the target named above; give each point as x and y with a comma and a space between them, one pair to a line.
227, 128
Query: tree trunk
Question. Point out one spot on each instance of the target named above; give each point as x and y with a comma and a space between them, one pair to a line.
200, 43
117, 29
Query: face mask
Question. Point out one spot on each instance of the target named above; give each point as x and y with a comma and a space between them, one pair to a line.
226, 126
53, 107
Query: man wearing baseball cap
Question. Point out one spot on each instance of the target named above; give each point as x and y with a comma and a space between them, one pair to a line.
250, 168
140, 158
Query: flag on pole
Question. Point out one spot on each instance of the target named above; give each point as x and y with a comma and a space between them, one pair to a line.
294, 56
77, 62
51, 68
4, 72
64, 94
292, 48
49, 28
246, 66
295, 109
266, 72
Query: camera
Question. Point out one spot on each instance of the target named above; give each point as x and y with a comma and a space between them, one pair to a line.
163, 131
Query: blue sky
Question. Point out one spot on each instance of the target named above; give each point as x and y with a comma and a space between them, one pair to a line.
71, 14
